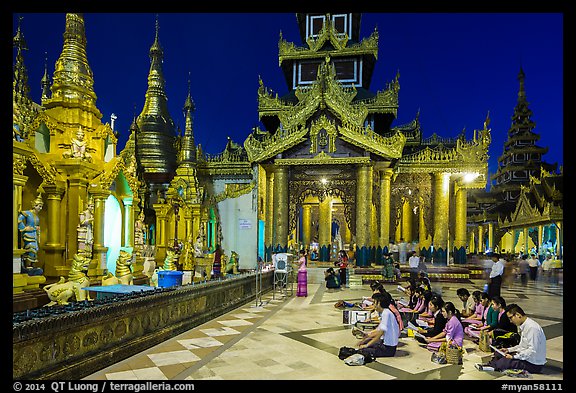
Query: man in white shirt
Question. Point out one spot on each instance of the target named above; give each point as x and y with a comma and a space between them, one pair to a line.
495, 280
533, 263
529, 354
383, 340
413, 262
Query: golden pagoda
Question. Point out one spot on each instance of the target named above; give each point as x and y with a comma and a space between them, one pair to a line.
63, 151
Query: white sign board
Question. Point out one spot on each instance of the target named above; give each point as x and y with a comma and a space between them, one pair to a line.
244, 223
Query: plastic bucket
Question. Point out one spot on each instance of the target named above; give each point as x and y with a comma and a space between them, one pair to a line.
169, 278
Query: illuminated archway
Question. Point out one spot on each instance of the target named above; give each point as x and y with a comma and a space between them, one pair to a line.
112, 231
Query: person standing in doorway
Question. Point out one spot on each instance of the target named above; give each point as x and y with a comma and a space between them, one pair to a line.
302, 289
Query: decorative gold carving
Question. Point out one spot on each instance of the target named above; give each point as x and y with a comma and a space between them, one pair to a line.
48, 173
364, 137
300, 189
322, 159
274, 144
234, 191
288, 50
322, 123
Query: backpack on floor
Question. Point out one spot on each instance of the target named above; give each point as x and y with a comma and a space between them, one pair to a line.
346, 352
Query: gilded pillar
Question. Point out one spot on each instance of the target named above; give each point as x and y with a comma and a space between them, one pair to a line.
188, 233
280, 206
460, 227
480, 238
325, 228
18, 181
540, 239
373, 226
128, 222
407, 221
306, 225
269, 225
471, 244
441, 210
385, 177
461, 201
347, 235
423, 241
491, 236
54, 264
161, 234
98, 263
363, 210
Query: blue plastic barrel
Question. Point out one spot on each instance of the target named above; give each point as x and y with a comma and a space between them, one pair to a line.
169, 278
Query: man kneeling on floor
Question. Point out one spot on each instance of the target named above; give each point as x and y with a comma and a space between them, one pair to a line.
529, 355
382, 341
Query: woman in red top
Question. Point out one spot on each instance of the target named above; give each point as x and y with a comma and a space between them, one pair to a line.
343, 265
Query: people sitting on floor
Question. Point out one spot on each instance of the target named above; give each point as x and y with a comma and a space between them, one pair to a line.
453, 331
489, 318
332, 280
438, 323
378, 288
475, 317
412, 298
505, 333
468, 305
424, 281
411, 314
529, 354
383, 340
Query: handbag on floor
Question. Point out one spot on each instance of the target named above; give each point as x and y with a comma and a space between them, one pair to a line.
485, 341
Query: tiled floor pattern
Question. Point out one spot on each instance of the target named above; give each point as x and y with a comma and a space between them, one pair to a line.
297, 338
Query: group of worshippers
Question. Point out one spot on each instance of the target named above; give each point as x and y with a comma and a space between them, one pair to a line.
520, 339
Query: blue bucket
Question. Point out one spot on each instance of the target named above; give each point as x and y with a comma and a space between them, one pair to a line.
169, 278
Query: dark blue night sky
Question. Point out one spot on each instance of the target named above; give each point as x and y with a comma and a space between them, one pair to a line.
453, 67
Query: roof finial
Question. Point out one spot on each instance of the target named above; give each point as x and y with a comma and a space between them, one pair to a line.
157, 27
487, 121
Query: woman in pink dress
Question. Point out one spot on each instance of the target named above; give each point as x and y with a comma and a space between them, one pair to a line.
302, 289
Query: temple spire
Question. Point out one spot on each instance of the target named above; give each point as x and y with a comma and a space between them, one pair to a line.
45, 82
20, 77
188, 149
73, 79
156, 148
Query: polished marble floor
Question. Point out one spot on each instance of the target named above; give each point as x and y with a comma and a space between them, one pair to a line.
284, 337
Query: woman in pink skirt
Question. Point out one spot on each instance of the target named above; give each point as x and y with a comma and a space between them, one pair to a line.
302, 289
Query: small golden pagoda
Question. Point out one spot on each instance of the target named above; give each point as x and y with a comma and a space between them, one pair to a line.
62, 150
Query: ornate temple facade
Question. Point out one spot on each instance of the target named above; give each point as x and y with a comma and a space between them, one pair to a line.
327, 165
